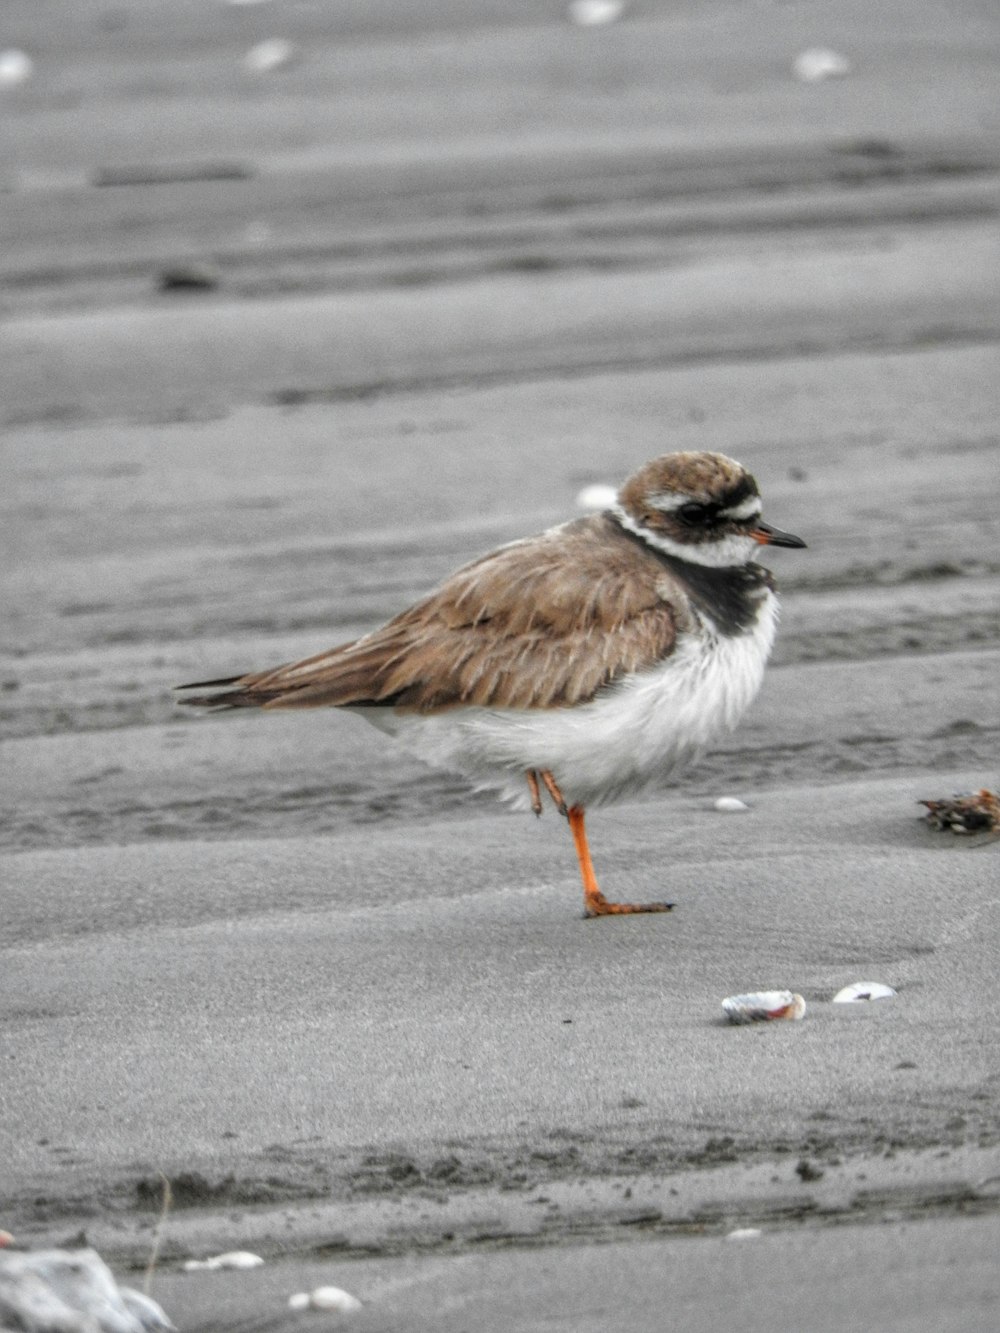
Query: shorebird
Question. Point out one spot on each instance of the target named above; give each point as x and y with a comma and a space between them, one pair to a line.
591, 661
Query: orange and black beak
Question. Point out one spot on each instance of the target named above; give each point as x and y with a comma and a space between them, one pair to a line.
768, 536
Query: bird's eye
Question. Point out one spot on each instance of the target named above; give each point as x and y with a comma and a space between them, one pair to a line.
692, 513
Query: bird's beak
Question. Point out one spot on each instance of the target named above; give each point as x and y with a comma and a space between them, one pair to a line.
768, 536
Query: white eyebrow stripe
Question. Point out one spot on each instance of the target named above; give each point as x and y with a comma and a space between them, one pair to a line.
748, 508
667, 502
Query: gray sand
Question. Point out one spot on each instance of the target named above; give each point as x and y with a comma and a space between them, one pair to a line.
353, 1011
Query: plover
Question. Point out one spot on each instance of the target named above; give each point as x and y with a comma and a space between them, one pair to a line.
591, 661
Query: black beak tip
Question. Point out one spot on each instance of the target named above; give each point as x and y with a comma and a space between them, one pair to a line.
771, 536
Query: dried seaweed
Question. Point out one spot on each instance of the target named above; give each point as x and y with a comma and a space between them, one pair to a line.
966, 812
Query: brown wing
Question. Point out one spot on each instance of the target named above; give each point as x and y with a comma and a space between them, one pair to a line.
537, 624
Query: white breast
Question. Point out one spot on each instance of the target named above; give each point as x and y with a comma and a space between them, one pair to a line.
631, 737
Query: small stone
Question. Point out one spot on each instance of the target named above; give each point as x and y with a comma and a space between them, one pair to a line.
187, 278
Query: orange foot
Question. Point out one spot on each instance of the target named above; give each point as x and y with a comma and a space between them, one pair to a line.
595, 904
594, 901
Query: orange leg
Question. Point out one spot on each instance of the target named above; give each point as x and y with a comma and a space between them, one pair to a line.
594, 901
536, 796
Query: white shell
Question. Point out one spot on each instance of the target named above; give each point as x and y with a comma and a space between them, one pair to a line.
863, 990
16, 67
762, 1006
818, 63
589, 13
744, 1233
231, 1259
731, 805
143, 1308
325, 1298
273, 54
597, 496
72, 1289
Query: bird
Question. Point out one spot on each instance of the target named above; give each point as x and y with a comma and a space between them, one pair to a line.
590, 662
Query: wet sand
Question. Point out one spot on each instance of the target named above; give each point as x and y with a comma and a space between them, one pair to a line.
350, 1009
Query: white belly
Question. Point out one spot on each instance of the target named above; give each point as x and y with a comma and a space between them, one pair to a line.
632, 737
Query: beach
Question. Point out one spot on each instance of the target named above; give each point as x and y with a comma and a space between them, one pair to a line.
279, 349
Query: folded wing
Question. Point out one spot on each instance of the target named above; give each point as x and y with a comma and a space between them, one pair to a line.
541, 623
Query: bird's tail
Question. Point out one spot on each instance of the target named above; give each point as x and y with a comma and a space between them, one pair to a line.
226, 693
333, 677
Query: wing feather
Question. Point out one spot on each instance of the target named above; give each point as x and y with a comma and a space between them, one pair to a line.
541, 623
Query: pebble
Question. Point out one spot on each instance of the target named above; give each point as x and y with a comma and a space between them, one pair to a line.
187, 277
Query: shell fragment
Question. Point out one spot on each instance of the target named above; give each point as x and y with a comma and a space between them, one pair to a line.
325, 1298
731, 805
763, 1006
231, 1259
858, 991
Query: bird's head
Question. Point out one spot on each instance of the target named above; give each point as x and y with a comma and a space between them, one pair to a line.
700, 507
